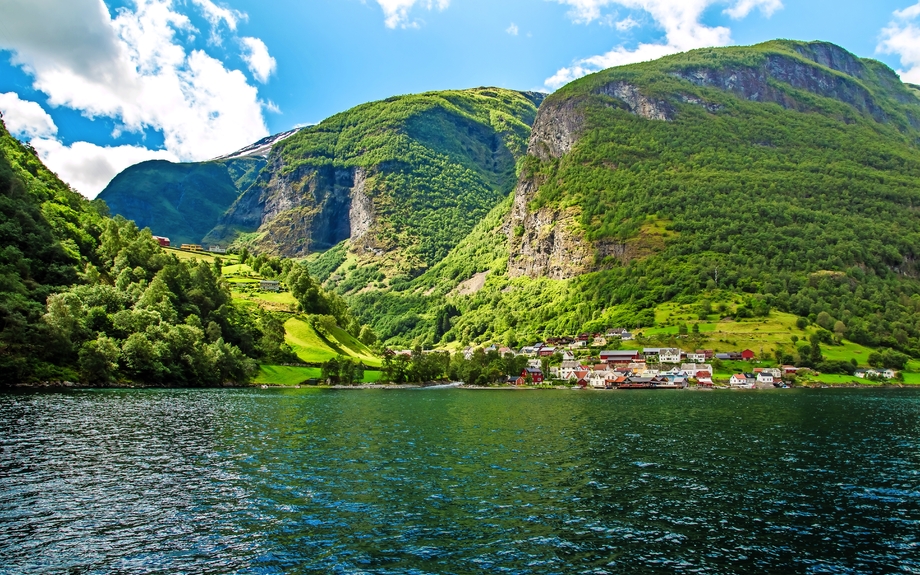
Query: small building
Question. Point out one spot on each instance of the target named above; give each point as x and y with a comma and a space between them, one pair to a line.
547, 351
270, 285
534, 375
626, 336
217, 250
191, 248
568, 356
764, 377
740, 380
748, 355
624, 357
164, 242
669, 355
703, 378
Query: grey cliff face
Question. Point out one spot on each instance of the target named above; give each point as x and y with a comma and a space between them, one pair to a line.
307, 209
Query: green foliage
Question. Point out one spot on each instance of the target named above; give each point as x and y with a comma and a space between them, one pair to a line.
180, 201
435, 163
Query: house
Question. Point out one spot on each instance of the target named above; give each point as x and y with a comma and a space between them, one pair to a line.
669, 355
534, 375
164, 242
620, 357
764, 377
650, 352
529, 351
626, 336
569, 368
534, 363
696, 357
740, 380
707, 352
875, 373
583, 337
270, 285
217, 250
578, 344
703, 378
599, 342
503, 351
748, 355
546, 351
731, 356
568, 356
615, 332
776, 372
191, 247
790, 370
579, 375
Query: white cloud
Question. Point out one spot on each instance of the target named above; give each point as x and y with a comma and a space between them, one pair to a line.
626, 24
680, 20
396, 12
135, 70
902, 37
89, 168
216, 14
256, 56
513, 29
25, 119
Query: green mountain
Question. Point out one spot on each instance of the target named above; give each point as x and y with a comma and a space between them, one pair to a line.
403, 179
180, 201
783, 176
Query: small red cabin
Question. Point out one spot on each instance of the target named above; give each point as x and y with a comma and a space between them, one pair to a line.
535, 374
164, 242
747, 355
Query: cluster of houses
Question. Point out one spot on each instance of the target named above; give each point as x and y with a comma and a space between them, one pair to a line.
669, 368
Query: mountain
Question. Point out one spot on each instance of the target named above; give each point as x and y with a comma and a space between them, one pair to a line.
782, 177
180, 201
403, 179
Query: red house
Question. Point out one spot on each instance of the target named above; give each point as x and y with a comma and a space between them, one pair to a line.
535, 374
747, 355
164, 242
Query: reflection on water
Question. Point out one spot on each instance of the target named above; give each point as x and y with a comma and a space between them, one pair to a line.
455, 481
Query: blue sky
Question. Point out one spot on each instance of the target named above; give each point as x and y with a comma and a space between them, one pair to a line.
97, 85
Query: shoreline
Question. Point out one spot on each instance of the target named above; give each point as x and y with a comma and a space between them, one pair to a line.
67, 385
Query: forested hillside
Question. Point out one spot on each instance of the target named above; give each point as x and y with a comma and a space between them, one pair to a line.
180, 201
785, 174
84, 297
403, 179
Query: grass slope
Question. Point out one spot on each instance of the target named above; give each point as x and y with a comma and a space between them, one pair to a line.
313, 347
290, 376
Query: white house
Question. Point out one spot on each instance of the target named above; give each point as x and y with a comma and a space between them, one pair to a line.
626, 336
696, 357
764, 377
568, 356
740, 380
534, 364
669, 355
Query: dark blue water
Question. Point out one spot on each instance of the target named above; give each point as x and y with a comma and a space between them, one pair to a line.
416, 482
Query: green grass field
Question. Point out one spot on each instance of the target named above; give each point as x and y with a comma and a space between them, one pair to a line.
288, 376
762, 335
236, 269
185, 256
311, 347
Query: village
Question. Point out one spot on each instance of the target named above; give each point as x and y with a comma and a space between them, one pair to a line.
571, 361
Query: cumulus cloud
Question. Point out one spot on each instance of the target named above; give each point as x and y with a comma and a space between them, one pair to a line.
680, 20
25, 119
902, 37
134, 69
89, 168
513, 29
396, 12
256, 56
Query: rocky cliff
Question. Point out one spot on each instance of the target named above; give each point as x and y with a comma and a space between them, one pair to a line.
560, 230
408, 176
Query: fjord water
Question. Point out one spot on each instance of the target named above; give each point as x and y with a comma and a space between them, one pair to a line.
457, 481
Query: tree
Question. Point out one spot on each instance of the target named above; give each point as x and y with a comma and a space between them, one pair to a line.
99, 360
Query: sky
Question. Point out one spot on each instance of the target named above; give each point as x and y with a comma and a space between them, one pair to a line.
98, 85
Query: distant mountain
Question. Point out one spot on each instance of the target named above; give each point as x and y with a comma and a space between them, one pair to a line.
408, 177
